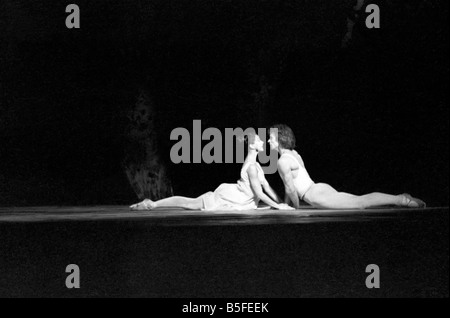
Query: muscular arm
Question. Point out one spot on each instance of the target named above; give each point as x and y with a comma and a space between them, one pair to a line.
284, 169
287, 200
256, 186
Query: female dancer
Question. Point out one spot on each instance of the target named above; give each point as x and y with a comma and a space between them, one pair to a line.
243, 195
298, 184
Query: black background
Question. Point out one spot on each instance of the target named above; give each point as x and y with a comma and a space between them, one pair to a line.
373, 117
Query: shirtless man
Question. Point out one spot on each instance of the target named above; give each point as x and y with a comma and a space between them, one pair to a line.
299, 185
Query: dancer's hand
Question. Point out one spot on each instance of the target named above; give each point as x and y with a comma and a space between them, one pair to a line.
284, 206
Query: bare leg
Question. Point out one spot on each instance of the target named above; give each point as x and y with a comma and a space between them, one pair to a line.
324, 196
181, 202
176, 201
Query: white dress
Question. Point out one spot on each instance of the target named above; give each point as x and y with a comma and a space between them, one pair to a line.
234, 196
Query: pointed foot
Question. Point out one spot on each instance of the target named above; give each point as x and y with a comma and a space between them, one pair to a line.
410, 202
147, 204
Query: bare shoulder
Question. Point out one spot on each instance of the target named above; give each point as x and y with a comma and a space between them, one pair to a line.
283, 160
296, 154
252, 170
284, 164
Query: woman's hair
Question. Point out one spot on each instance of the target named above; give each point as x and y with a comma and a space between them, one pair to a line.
286, 137
248, 137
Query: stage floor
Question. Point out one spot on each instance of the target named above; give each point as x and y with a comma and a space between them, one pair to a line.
174, 216
247, 254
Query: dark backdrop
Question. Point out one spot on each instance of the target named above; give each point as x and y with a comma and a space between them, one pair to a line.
372, 117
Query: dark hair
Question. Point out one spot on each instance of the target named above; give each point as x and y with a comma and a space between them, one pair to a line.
286, 137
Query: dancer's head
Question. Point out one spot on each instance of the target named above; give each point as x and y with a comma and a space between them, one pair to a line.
252, 140
281, 137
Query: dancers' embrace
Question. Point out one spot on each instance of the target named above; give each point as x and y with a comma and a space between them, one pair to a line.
253, 187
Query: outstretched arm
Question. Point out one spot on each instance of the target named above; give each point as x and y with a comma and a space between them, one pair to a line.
256, 186
271, 192
284, 169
